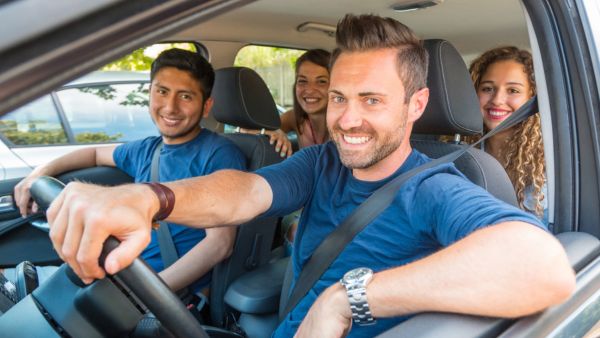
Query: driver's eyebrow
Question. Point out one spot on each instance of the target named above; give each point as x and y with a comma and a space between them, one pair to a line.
362, 94
333, 91
371, 94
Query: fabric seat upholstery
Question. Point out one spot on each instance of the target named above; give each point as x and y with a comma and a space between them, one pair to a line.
243, 99
453, 108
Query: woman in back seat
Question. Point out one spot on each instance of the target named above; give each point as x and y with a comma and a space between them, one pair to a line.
307, 118
504, 81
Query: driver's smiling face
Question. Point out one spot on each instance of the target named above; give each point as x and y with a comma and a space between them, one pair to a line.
177, 105
367, 113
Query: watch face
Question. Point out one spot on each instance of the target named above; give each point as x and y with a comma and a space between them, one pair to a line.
358, 275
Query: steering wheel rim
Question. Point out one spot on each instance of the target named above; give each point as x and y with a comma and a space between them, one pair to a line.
138, 277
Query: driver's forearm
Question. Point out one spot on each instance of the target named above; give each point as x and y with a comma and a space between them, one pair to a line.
226, 197
508, 270
214, 248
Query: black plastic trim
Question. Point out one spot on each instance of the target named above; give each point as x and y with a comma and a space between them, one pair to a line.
552, 52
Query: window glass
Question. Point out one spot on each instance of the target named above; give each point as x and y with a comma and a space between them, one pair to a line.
108, 113
36, 123
141, 59
276, 67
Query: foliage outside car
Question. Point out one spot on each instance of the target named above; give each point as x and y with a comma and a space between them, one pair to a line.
34, 136
8, 128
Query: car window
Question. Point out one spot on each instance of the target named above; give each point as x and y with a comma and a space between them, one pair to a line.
108, 113
141, 59
36, 123
275, 65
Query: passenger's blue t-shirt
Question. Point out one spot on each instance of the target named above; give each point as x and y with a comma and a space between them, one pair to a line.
206, 153
433, 209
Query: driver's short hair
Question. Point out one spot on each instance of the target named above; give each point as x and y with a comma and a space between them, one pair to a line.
371, 32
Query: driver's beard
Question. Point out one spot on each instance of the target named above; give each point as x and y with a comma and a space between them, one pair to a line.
382, 150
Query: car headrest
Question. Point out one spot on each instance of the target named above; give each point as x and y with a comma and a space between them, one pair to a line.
453, 104
242, 99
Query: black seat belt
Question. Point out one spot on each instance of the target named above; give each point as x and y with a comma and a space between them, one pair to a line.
168, 252
368, 210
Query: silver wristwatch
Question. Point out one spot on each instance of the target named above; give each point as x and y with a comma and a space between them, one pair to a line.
355, 281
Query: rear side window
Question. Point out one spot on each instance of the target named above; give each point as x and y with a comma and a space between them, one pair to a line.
141, 59
275, 65
108, 113
36, 123
114, 111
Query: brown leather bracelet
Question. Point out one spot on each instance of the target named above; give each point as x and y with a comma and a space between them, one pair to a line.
166, 199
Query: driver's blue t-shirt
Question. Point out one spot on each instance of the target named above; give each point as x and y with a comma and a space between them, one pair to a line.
433, 209
206, 153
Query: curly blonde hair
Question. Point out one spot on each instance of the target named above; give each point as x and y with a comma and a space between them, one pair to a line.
523, 154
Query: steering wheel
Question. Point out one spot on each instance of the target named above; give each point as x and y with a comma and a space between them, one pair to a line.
138, 277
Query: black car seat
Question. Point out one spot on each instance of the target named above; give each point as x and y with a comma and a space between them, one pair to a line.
453, 109
242, 99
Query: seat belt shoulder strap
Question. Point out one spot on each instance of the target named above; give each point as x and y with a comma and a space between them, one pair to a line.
367, 211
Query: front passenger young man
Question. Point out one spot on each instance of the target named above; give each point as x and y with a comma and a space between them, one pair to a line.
443, 245
181, 84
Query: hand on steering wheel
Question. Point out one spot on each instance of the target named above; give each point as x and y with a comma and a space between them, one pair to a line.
136, 274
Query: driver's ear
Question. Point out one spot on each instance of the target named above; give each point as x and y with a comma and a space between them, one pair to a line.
416, 105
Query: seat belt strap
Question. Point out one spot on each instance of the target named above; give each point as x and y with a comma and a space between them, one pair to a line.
168, 252
331, 247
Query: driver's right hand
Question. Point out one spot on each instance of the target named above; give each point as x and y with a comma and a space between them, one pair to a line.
83, 216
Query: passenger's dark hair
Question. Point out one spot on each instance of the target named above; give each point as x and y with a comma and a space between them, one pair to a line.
188, 61
370, 32
319, 57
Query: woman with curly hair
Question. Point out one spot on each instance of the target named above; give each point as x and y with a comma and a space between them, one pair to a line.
504, 81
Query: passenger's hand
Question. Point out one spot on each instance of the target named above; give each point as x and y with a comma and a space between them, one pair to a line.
329, 316
84, 215
282, 144
22, 195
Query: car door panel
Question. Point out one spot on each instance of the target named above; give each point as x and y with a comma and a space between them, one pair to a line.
583, 252
8, 211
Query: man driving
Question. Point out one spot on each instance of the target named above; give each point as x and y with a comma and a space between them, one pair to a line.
444, 244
